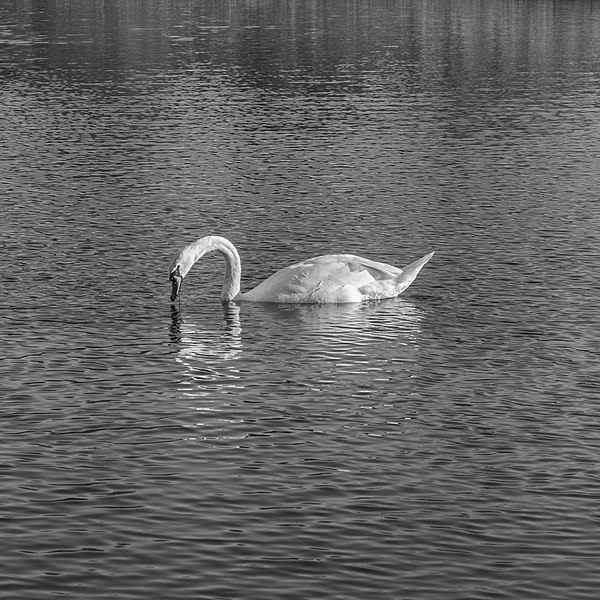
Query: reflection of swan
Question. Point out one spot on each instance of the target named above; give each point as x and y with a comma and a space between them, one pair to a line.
345, 327
208, 347
334, 278
210, 376
209, 356
360, 349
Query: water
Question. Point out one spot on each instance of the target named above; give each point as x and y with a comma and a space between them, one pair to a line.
442, 444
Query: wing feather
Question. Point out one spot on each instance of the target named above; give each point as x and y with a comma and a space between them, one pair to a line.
337, 277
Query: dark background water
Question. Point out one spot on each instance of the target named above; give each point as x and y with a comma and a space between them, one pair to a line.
444, 443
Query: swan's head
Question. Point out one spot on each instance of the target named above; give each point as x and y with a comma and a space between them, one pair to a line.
184, 261
176, 278
179, 267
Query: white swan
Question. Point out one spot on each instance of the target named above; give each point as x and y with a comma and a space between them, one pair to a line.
334, 278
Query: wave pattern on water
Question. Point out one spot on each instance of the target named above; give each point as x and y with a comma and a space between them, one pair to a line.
442, 444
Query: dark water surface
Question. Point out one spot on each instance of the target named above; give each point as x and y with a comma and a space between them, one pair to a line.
440, 445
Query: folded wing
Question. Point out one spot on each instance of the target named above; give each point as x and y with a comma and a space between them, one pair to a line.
331, 278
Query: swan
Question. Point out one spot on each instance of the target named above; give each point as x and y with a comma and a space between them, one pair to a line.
333, 278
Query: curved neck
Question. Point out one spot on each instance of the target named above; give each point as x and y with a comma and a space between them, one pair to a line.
214, 243
233, 271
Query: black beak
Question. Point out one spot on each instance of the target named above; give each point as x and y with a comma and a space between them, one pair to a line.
176, 280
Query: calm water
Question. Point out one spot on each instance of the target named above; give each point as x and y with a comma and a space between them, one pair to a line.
439, 445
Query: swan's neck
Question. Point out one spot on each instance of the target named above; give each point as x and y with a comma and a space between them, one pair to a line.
233, 264
233, 272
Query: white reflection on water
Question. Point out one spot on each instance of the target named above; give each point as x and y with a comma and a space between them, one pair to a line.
341, 323
338, 354
209, 371
312, 353
201, 347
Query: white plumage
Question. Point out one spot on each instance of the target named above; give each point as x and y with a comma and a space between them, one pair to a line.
333, 278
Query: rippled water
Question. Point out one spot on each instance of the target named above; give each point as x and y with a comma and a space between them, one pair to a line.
441, 444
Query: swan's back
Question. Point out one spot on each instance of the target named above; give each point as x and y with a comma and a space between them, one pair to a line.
328, 279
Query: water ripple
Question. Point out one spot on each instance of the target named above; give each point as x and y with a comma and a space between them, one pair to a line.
442, 444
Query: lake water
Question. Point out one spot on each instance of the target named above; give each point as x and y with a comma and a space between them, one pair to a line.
443, 444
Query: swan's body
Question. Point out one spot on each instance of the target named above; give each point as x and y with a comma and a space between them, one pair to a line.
333, 278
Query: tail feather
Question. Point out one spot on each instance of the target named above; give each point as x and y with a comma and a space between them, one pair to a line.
411, 271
